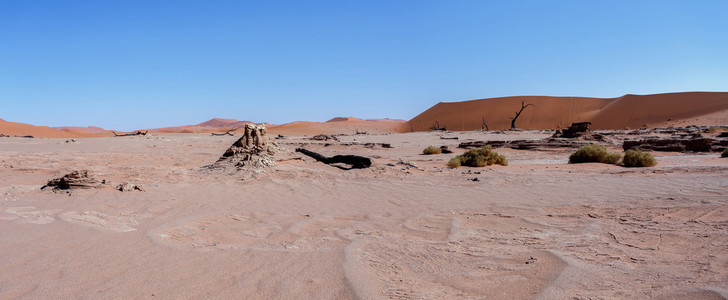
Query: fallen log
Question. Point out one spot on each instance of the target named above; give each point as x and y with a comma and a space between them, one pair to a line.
229, 132
355, 161
131, 134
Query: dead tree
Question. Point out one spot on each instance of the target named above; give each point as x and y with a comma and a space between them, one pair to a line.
229, 132
355, 161
131, 134
518, 113
360, 132
484, 126
436, 126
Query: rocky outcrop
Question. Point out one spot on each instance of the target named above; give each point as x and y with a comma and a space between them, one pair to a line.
698, 144
80, 179
253, 149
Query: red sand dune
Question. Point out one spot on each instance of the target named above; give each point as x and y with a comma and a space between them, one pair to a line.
337, 125
93, 129
21, 129
213, 125
631, 111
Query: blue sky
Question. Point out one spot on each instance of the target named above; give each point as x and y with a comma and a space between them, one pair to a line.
143, 64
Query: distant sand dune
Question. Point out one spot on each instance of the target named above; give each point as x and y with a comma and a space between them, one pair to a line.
631, 111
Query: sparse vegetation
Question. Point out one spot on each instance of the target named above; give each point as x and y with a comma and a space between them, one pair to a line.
432, 150
725, 153
637, 158
479, 157
594, 153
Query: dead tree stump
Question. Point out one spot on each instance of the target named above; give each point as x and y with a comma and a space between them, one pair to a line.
253, 149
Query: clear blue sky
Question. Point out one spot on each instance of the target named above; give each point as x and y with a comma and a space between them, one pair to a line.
140, 64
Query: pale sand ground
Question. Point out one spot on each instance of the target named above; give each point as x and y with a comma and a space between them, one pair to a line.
304, 230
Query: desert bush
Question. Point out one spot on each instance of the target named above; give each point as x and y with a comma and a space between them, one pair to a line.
454, 163
725, 153
479, 157
637, 158
432, 150
594, 153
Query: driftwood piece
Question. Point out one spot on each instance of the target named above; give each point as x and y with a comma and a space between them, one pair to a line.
229, 132
131, 134
80, 179
355, 161
252, 149
677, 145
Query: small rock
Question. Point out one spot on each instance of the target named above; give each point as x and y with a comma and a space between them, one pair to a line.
128, 187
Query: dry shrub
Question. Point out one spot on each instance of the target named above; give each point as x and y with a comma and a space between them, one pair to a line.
637, 158
432, 150
594, 153
453, 163
725, 153
479, 157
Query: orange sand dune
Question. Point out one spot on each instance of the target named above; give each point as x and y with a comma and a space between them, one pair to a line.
21, 129
336, 126
93, 129
630, 111
213, 125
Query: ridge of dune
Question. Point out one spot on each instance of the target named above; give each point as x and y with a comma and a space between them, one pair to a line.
22, 129
344, 119
93, 129
548, 112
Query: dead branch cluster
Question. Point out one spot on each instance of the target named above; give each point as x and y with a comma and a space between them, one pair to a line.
131, 134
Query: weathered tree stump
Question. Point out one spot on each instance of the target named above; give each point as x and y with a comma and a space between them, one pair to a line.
253, 149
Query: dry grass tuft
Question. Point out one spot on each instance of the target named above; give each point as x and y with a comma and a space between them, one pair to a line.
637, 158
479, 157
594, 153
432, 150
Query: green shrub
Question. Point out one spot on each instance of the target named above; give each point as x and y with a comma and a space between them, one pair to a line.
637, 158
479, 157
432, 150
593, 153
453, 163
725, 153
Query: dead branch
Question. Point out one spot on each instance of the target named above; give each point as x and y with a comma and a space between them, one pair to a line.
518, 113
355, 161
131, 134
229, 132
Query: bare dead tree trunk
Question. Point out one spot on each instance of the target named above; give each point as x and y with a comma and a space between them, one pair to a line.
131, 134
436, 126
229, 132
484, 126
523, 106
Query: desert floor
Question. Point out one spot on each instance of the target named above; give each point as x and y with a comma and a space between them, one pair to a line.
538, 228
